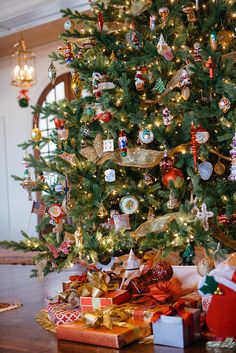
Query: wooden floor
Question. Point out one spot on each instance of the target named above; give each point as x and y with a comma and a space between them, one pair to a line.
20, 333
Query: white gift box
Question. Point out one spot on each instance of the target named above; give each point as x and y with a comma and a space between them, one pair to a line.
171, 330
188, 275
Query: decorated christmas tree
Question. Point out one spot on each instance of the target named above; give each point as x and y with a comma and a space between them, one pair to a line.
144, 150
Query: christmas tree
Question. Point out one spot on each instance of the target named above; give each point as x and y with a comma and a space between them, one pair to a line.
143, 150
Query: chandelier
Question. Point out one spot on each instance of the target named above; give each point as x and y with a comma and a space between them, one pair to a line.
23, 73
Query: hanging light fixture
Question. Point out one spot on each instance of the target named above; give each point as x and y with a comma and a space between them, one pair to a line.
23, 73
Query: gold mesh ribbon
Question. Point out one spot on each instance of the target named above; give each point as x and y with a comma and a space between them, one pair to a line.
159, 224
136, 156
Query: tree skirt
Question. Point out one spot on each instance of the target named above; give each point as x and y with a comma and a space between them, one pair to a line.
7, 307
43, 320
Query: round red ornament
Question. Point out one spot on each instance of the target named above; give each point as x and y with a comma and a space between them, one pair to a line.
59, 123
173, 175
104, 116
162, 272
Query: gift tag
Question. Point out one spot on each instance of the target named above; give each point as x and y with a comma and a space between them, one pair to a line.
108, 145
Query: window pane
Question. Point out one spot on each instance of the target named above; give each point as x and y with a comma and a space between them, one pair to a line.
51, 96
52, 146
51, 124
44, 149
45, 133
42, 123
60, 91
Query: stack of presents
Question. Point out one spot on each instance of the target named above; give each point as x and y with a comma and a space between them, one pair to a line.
115, 308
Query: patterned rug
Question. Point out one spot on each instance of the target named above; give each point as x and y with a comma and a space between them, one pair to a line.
12, 257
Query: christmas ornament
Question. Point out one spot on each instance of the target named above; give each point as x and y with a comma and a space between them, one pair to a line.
205, 265
133, 38
226, 220
36, 134
69, 157
64, 248
85, 131
225, 38
100, 21
122, 143
69, 25
188, 254
41, 177
190, 14
194, 145
78, 237
59, 123
184, 84
203, 216
148, 179
23, 98
166, 163
59, 188
167, 117
108, 145
76, 84
102, 212
159, 85
151, 213
205, 170
173, 201
28, 185
162, 271
152, 22
103, 116
213, 40
219, 168
87, 43
224, 104
121, 222
173, 175
145, 136
52, 73
110, 175
197, 51
63, 134
211, 66
99, 83
164, 49
202, 135
129, 204
131, 269
67, 52
139, 80
164, 12
55, 211
232, 176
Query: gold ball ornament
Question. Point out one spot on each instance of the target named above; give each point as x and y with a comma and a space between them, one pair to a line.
102, 212
36, 134
219, 168
185, 93
76, 84
205, 265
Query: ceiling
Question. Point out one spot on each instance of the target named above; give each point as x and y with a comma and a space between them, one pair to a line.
38, 21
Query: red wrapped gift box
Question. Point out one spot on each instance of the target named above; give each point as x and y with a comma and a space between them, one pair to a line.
60, 313
113, 297
118, 337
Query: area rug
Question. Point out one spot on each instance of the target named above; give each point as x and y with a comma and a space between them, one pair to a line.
12, 257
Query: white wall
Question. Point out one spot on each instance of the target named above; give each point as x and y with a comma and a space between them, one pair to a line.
15, 128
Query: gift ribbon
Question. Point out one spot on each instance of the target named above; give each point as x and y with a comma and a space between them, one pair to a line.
111, 316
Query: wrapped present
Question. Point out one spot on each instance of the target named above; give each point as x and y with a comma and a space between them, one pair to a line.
118, 337
89, 304
179, 330
61, 313
142, 312
191, 300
